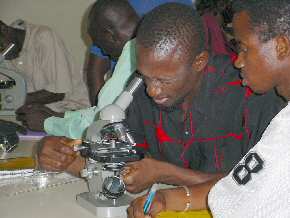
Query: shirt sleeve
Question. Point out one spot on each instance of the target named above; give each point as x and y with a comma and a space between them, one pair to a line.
125, 67
259, 111
97, 51
55, 63
73, 125
55, 71
144, 6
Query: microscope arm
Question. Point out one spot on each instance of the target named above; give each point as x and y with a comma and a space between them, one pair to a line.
116, 112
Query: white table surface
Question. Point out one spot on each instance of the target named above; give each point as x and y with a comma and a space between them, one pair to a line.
56, 202
52, 202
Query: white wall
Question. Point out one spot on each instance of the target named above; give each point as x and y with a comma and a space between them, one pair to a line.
64, 16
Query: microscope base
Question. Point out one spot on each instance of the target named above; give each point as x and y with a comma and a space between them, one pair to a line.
104, 208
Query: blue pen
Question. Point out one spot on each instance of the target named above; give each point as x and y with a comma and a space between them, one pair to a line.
150, 198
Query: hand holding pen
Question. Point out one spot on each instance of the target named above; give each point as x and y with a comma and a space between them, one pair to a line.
149, 205
150, 198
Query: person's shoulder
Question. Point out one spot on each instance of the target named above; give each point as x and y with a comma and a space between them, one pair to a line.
41, 32
220, 60
270, 100
221, 63
220, 70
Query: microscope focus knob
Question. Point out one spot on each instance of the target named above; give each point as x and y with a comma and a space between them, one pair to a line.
9, 98
79, 147
85, 173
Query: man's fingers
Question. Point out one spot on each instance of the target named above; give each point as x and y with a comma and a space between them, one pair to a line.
130, 212
62, 154
70, 142
126, 171
23, 109
49, 164
20, 110
51, 168
129, 169
136, 208
133, 188
131, 164
130, 188
66, 150
61, 148
21, 116
128, 178
155, 210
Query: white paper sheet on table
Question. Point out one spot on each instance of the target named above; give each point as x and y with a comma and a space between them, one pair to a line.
31, 180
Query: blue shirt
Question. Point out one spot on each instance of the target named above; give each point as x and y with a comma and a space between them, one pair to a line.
144, 6
141, 7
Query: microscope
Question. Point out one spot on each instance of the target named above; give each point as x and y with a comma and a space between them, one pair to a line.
108, 146
12, 87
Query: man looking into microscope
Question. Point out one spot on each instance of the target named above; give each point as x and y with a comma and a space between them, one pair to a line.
192, 116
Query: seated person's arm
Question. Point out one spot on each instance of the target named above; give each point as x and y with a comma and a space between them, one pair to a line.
174, 200
43, 97
96, 69
161, 172
32, 116
33, 113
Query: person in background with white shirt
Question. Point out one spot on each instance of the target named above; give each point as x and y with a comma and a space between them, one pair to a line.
54, 84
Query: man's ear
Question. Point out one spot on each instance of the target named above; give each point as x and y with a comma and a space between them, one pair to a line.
282, 47
109, 34
200, 61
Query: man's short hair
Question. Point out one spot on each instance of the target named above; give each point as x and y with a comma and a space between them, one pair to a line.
172, 24
269, 18
96, 18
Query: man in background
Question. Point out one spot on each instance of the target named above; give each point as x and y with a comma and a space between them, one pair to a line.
111, 24
54, 84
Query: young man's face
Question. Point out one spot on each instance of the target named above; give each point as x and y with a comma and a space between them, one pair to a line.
257, 60
124, 25
169, 79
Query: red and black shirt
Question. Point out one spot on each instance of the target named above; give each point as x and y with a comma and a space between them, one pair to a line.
224, 122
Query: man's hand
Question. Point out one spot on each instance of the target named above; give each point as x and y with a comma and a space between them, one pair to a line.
43, 97
139, 175
57, 154
135, 210
33, 115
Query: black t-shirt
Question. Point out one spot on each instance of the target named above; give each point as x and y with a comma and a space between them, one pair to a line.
224, 122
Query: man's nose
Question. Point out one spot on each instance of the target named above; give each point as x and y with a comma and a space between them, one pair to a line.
239, 63
153, 89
